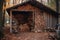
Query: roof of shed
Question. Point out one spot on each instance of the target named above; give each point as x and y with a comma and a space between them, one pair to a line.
36, 4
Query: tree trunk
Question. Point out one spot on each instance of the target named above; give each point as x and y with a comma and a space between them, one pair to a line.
1, 19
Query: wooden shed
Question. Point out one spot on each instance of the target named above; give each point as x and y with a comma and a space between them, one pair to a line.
32, 15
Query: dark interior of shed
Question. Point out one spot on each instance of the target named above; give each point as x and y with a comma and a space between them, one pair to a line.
24, 18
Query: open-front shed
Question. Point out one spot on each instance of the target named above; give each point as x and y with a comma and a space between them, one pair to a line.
32, 15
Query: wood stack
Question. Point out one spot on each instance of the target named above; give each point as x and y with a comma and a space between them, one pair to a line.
24, 28
39, 23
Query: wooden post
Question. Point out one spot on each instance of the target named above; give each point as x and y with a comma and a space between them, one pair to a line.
10, 21
34, 19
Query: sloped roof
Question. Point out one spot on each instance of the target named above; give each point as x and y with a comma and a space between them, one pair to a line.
36, 4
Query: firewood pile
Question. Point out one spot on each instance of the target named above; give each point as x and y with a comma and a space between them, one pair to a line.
39, 23
7, 29
24, 28
49, 29
52, 36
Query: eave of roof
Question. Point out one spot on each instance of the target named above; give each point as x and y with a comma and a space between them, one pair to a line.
36, 4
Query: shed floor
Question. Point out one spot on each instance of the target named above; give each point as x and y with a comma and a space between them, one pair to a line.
27, 36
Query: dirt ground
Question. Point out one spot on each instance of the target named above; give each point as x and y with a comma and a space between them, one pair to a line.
27, 36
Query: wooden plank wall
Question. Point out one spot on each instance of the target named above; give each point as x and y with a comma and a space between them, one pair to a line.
50, 19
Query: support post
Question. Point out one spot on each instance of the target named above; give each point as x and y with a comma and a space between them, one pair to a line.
10, 21
1, 19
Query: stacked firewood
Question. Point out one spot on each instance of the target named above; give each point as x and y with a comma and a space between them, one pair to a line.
39, 23
24, 28
6, 28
